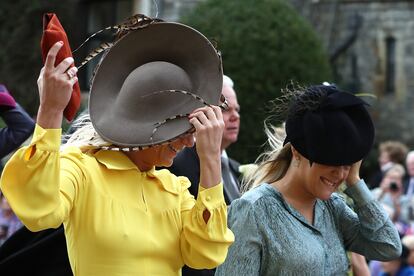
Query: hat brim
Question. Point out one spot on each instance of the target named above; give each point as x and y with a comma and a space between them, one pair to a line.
163, 41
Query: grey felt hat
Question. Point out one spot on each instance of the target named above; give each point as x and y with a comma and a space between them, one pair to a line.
149, 80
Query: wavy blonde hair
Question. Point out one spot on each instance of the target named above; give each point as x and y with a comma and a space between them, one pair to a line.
271, 164
83, 135
275, 161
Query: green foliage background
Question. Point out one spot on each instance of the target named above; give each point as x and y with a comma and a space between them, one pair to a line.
265, 45
20, 56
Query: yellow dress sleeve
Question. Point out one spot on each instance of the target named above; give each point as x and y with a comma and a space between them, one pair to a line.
39, 185
204, 245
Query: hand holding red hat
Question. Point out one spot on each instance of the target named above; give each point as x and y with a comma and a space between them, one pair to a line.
53, 32
55, 89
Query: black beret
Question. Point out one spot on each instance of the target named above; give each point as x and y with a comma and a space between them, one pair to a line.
329, 126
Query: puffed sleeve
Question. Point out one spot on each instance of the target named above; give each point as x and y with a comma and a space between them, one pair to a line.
244, 257
369, 231
204, 245
39, 184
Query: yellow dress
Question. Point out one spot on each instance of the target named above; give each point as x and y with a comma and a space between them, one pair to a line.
117, 219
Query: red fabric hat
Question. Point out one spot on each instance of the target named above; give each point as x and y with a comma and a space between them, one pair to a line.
5, 98
52, 33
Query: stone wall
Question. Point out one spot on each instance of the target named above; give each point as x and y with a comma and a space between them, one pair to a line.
362, 66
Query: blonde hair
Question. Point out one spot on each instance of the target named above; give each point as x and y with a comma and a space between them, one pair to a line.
408, 240
396, 168
273, 163
84, 135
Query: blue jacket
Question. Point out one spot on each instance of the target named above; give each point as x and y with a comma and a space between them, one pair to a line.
19, 127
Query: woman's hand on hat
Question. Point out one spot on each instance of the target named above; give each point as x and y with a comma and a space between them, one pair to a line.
55, 85
353, 175
209, 125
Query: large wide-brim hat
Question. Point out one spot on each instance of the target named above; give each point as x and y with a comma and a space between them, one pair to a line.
150, 80
329, 126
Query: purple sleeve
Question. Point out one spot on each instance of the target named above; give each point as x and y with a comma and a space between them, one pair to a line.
19, 126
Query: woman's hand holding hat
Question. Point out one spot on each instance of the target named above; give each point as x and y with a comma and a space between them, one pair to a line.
209, 125
55, 88
353, 175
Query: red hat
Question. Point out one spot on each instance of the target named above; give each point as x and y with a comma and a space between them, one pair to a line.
52, 33
5, 98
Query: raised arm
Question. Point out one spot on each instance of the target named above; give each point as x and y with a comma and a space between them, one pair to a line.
55, 88
205, 238
209, 125
370, 231
39, 184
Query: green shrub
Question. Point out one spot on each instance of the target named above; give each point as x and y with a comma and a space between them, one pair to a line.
265, 45
20, 55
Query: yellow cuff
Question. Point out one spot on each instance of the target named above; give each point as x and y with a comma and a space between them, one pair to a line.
210, 198
46, 139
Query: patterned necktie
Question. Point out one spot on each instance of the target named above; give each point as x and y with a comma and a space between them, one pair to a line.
230, 186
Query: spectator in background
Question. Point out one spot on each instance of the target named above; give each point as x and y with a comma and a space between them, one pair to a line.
19, 125
187, 162
409, 179
408, 241
9, 223
390, 152
399, 266
390, 193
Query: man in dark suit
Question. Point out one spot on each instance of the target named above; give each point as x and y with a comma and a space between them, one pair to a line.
408, 183
187, 163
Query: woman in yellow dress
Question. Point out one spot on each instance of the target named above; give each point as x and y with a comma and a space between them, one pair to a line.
121, 215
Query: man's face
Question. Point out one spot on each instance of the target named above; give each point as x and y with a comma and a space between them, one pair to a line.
410, 165
231, 118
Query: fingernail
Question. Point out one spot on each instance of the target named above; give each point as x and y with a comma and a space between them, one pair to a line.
60, 42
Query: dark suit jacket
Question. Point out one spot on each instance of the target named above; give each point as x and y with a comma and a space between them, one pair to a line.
375, 179
37, 254
187, 163
406, 183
